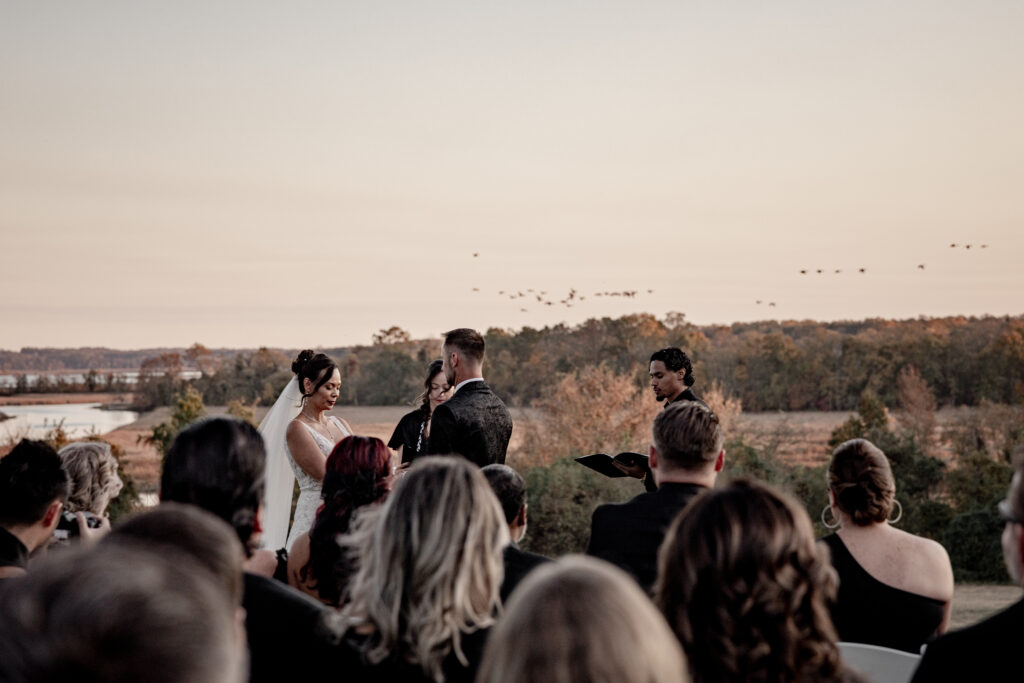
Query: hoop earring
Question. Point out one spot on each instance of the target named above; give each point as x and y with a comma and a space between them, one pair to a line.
899, 515
835, 522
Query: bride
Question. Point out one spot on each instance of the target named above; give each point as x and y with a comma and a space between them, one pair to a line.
299, 436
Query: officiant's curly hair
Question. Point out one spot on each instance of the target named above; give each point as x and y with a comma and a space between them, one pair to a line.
745, 587
675, 359
430, 564
357, 473
316, 367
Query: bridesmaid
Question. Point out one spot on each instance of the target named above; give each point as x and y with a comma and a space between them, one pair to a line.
410, 437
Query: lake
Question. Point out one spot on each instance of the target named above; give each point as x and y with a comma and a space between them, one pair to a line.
79, 419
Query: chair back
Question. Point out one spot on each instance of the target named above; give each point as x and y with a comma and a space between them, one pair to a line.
881, 664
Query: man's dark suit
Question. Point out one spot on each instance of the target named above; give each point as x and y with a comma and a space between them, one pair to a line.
987, 651
473, 423
629, 534
518, 563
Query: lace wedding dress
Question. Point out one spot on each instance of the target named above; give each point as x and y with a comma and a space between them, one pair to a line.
309, 488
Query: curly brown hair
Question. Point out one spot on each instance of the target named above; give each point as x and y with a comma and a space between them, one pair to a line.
861, 478
745, 588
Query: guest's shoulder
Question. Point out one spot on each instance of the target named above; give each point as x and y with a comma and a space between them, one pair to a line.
979, 649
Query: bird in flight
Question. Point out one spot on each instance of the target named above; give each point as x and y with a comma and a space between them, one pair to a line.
953, 246
803, 272
920, 266
863, 270
476, 289
772, 304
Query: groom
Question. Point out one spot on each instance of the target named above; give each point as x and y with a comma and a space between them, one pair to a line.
474, 422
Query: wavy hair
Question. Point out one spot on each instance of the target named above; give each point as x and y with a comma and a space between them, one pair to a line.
581, 619
861, 478
745, 588
423, 400
358, 473
430, 564
92, 468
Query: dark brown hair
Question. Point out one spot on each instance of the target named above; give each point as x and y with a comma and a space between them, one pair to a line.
469, 342
316, 367
687, 435
861, 478
744, 585
433, 370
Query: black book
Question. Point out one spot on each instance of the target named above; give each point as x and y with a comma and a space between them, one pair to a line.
604, 463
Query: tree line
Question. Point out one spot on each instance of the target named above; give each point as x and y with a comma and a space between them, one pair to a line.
768, 365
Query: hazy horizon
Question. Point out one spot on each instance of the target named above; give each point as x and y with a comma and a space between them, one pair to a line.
248, 174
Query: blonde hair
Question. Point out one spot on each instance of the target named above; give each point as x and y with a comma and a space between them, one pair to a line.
429, 564
92, 469
581, 619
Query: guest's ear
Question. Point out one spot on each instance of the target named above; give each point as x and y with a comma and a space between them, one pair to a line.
720, 461
52, 515
520, 519
652, 453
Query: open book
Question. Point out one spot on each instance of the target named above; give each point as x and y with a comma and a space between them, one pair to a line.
603, 463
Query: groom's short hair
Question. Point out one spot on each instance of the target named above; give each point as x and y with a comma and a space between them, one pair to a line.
468, 342
218, 464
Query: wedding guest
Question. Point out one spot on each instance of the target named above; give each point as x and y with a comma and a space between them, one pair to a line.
430, 568
580, 619
92, 469
745, 587
218, 464
987, 651
413, 430
118, 615
33, 488
358, 473
509, 487
685, 460
895, 589
474, 422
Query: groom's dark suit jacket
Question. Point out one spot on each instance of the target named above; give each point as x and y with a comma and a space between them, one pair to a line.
473, 423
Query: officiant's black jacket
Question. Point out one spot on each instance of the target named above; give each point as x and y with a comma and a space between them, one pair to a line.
628, 534
473, 423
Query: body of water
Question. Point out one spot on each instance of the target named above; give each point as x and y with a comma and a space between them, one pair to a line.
131, 377
79, 419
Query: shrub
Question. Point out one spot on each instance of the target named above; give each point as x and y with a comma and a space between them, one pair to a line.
973, 542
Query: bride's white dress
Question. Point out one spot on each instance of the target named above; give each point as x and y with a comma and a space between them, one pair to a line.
309, 488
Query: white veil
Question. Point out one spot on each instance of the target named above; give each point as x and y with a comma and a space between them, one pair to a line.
279, 476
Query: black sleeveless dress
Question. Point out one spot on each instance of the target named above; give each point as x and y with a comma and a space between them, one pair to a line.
869, 611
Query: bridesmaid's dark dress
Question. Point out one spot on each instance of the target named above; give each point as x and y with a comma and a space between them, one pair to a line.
410, 435
869, 611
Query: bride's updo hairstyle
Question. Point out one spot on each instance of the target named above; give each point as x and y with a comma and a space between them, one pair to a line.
316, 367
861, 479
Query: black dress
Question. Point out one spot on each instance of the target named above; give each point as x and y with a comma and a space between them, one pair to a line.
869, 611
410, 435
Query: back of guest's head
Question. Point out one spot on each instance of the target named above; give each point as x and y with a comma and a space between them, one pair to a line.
218, 464
861, 478
675, 360
31, 478
118, 616
430, 563
470, 343
687, 435
745, 587
174, 530
358, 473
509, 487
315, 367
92, 469
581, 619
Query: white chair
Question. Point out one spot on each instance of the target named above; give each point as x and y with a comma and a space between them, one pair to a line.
881, 664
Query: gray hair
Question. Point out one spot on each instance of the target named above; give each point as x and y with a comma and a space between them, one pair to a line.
92, 469
429, 564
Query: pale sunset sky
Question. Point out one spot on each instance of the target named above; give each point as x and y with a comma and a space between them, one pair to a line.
305, 173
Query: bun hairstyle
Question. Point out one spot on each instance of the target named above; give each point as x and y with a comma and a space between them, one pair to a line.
861, 478
316, 367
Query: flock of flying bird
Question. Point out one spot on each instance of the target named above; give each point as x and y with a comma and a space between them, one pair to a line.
574, 298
